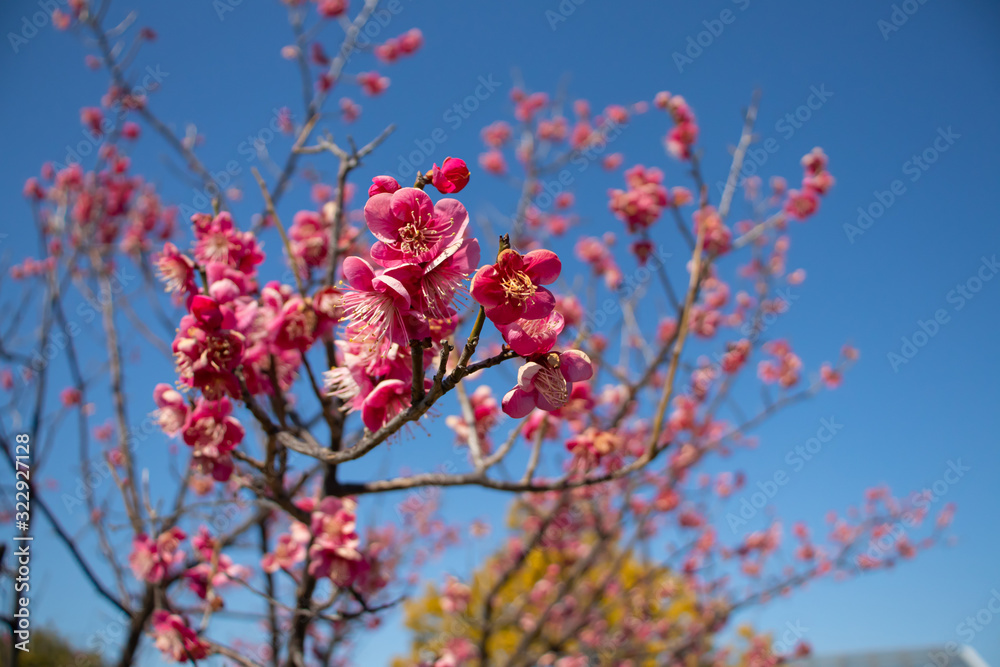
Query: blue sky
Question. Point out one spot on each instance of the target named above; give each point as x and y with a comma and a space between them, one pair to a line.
888, 97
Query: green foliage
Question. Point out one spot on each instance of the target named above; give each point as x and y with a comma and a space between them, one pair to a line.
49, 649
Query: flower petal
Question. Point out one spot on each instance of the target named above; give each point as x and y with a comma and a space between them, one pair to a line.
486, 288
385, 255
375, 407
452, 218
411, 205
380, 218
206, 310
528, 337
519, 341
504, 313
518, 403
462, 255
541, 303
527, 373
382, 184
358, 273
509, 261
542, 266
373, 416
387, 283
543, 402
576, 366
467, 256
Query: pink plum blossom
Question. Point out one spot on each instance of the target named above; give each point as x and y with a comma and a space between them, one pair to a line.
409, 227
512, 288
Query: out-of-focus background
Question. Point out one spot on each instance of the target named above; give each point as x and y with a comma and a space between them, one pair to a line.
905, 92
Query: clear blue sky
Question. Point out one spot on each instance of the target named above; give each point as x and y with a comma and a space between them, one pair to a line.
890, 93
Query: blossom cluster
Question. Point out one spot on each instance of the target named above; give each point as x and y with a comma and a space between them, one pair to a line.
816, 182
387, 312
409, 290
96, 211
235, 336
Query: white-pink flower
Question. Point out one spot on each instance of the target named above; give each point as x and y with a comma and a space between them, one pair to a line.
547, 385
172, 410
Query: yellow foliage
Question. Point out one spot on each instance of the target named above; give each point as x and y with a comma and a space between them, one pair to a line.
651, 593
